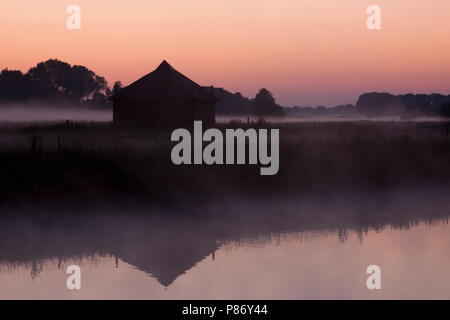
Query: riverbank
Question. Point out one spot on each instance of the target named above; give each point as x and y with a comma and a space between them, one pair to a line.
68, 164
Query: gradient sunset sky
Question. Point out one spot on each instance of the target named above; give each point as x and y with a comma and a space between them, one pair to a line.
307, 52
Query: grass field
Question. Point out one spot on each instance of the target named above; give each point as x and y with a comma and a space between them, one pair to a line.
84, 164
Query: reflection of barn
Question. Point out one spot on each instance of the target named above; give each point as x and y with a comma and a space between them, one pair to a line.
165, 98
166, 261
167, 246
162, 250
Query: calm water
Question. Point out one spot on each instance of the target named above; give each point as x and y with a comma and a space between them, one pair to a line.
280, 249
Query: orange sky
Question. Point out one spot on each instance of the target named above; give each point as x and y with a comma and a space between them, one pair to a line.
307, 52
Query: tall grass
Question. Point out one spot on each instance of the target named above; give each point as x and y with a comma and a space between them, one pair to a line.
80, 163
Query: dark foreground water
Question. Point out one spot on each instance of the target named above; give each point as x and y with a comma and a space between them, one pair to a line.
276, 249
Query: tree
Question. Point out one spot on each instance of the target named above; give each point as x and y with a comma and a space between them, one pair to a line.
53, 74
75, 82
11, 84
86, 84
264, 104
445, 110
16, 86
116, 88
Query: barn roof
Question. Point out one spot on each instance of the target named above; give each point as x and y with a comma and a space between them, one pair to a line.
165, 83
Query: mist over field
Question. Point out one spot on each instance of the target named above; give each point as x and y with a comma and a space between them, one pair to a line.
313, 119
44, 113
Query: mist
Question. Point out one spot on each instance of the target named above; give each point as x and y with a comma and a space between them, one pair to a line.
315, 119
44, 113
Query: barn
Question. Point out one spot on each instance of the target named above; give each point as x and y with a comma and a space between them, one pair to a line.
165, 98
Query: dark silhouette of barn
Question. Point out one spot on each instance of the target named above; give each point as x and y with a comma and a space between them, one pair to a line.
165, 98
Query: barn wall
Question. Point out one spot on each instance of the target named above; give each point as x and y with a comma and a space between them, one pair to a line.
171, 114
206, 112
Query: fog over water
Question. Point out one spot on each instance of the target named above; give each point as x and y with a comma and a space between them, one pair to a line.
273, 249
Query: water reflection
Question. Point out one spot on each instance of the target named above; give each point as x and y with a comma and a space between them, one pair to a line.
165, 245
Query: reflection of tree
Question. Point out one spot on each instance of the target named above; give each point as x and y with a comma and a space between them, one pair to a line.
167, 245
342, 235
36, 268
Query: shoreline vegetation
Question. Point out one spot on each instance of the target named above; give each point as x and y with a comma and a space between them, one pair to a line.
72, 165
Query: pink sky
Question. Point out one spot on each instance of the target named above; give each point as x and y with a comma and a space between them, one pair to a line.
307, 52
414, 264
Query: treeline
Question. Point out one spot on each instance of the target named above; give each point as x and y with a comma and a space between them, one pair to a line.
263, 104
376, 104
55, 81
406, 105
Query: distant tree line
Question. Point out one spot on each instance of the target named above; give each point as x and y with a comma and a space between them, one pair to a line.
376, 104
445, 110
58, 82
263, 104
